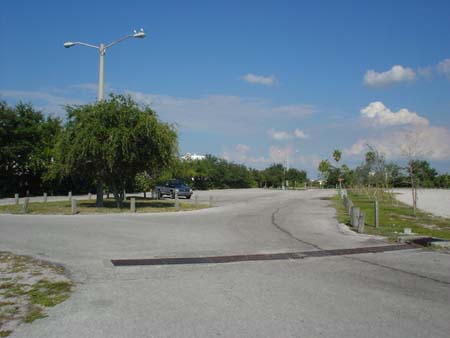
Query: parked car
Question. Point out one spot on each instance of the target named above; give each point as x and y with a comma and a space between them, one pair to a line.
172, 186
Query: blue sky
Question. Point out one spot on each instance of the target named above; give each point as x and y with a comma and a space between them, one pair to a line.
256, 82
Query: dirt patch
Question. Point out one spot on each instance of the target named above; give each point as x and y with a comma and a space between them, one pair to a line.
27, 287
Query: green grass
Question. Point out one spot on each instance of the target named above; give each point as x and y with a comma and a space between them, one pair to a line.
5, 333
143, 205
48, 293
394, 217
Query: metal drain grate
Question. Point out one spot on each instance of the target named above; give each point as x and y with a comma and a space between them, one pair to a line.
256, 257
341, 252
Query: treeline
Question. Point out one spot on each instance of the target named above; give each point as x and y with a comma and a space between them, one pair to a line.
110, 146
216, 173
376, 171
27, 141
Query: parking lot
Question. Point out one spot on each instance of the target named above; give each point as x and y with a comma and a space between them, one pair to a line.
403, 293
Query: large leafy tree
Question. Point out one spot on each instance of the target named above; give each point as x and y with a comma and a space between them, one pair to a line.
111, 141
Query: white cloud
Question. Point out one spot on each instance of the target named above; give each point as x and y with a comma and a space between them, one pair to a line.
240, 154
221, 113
395, 75
295, 110
398, 74
379, 115
309, 162
259, 79
279, 135
443, 67
285, 136
426, 72
280, 154
242, 148
434, 143
357, 148
216, 113
300, 134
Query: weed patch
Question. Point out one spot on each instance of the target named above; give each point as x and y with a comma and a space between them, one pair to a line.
29, 286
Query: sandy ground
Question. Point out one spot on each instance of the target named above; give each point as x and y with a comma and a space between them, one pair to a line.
435, 201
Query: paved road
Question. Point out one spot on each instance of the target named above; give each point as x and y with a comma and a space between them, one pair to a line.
390, 294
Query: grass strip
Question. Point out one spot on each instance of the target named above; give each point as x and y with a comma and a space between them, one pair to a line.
394, 217
143, 205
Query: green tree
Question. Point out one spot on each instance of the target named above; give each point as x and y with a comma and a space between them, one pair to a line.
143, 182
426, 175
26, 142
295, 176
257, 177
443, 181
324, 168
346, 175
274, 175
337, 154
396, 176
374, 171
109, 142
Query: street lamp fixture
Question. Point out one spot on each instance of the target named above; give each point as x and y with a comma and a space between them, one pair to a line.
102, 50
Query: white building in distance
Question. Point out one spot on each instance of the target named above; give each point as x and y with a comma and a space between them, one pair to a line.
189, 156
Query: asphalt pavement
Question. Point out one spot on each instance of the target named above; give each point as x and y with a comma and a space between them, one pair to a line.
403, 293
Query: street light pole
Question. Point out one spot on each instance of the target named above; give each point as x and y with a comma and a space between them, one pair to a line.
101, 74
102, 50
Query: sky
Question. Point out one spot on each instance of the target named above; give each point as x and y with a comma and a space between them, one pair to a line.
254, 82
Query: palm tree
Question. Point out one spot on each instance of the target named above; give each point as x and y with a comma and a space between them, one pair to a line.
337, 154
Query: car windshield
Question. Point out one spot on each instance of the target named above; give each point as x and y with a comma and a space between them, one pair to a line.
177, 183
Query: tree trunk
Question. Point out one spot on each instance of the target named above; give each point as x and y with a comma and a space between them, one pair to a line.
413, 188
99, 200
117, 196
119, 199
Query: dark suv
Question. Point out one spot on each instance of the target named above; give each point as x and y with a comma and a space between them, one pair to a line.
172, 186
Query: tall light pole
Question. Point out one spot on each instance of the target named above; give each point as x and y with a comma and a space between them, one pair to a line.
102, 50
